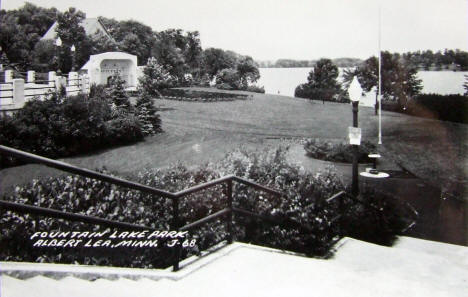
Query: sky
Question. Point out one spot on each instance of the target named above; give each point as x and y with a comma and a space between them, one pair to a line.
294, 29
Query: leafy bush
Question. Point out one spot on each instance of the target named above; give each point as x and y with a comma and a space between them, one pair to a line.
228, 79
303, 202
338, 152
59, 127
255, 89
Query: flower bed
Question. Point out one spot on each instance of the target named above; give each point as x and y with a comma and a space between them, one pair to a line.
338, 152
200, 96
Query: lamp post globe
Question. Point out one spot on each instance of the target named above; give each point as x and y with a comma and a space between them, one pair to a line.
355, 93
58, 44
73, 50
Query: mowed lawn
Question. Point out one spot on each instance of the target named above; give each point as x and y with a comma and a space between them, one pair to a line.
196, 133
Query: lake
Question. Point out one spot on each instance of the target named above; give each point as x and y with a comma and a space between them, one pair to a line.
283, 81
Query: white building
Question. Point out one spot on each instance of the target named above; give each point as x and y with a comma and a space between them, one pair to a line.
101, 67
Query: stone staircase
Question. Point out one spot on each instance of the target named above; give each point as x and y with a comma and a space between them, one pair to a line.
412, 267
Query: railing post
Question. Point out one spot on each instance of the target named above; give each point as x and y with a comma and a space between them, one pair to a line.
18, 92
175, 227
229, 215
342, 214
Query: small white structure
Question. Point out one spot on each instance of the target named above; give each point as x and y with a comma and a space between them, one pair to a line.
100, 68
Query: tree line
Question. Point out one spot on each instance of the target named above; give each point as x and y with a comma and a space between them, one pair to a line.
448, 59
180, 53
290, 63
399, 81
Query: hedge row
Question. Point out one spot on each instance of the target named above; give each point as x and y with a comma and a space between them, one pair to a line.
453, 108
304, 202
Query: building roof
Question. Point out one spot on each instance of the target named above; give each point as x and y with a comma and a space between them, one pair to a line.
90, 25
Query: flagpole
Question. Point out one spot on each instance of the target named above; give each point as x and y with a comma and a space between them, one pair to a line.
380, 74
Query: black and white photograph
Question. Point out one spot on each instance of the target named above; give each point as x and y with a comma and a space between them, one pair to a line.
233, 148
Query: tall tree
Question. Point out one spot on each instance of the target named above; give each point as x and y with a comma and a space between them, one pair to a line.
155, 78
20, 30
399, 81
216, 59
321, 83
71, 32
131, 36
118, 95
247, 71
146, 113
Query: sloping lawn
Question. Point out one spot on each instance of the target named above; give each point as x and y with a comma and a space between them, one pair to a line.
199, 132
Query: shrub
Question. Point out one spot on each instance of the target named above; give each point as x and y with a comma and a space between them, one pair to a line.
59, 127
228, 79
303, 202
255, 89
145, 111
338, 152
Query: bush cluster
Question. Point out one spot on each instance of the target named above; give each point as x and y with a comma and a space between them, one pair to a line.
338, 152
58, 127
303, 203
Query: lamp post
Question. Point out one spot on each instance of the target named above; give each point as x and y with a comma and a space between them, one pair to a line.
73, 49
58, 44
355, 93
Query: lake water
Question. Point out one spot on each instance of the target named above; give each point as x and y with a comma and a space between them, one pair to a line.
285, 80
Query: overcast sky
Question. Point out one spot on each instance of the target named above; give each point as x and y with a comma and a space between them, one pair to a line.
296, 29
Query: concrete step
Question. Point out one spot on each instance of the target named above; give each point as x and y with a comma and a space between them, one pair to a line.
413, 267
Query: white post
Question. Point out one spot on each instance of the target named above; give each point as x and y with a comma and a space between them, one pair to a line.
51, 78
18, 92
8, 75
83, 87
31, 76
380, 73
60, 82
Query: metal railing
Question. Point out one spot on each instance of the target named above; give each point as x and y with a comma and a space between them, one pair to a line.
176, 197
227, 212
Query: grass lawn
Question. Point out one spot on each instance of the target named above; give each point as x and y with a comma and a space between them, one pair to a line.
199, 132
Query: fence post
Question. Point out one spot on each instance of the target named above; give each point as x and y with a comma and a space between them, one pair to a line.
229, 215
60, 82
73, 88
31, 76
175, 227
8, 76
18, 92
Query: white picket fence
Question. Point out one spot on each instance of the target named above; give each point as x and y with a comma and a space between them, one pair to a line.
14, 92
